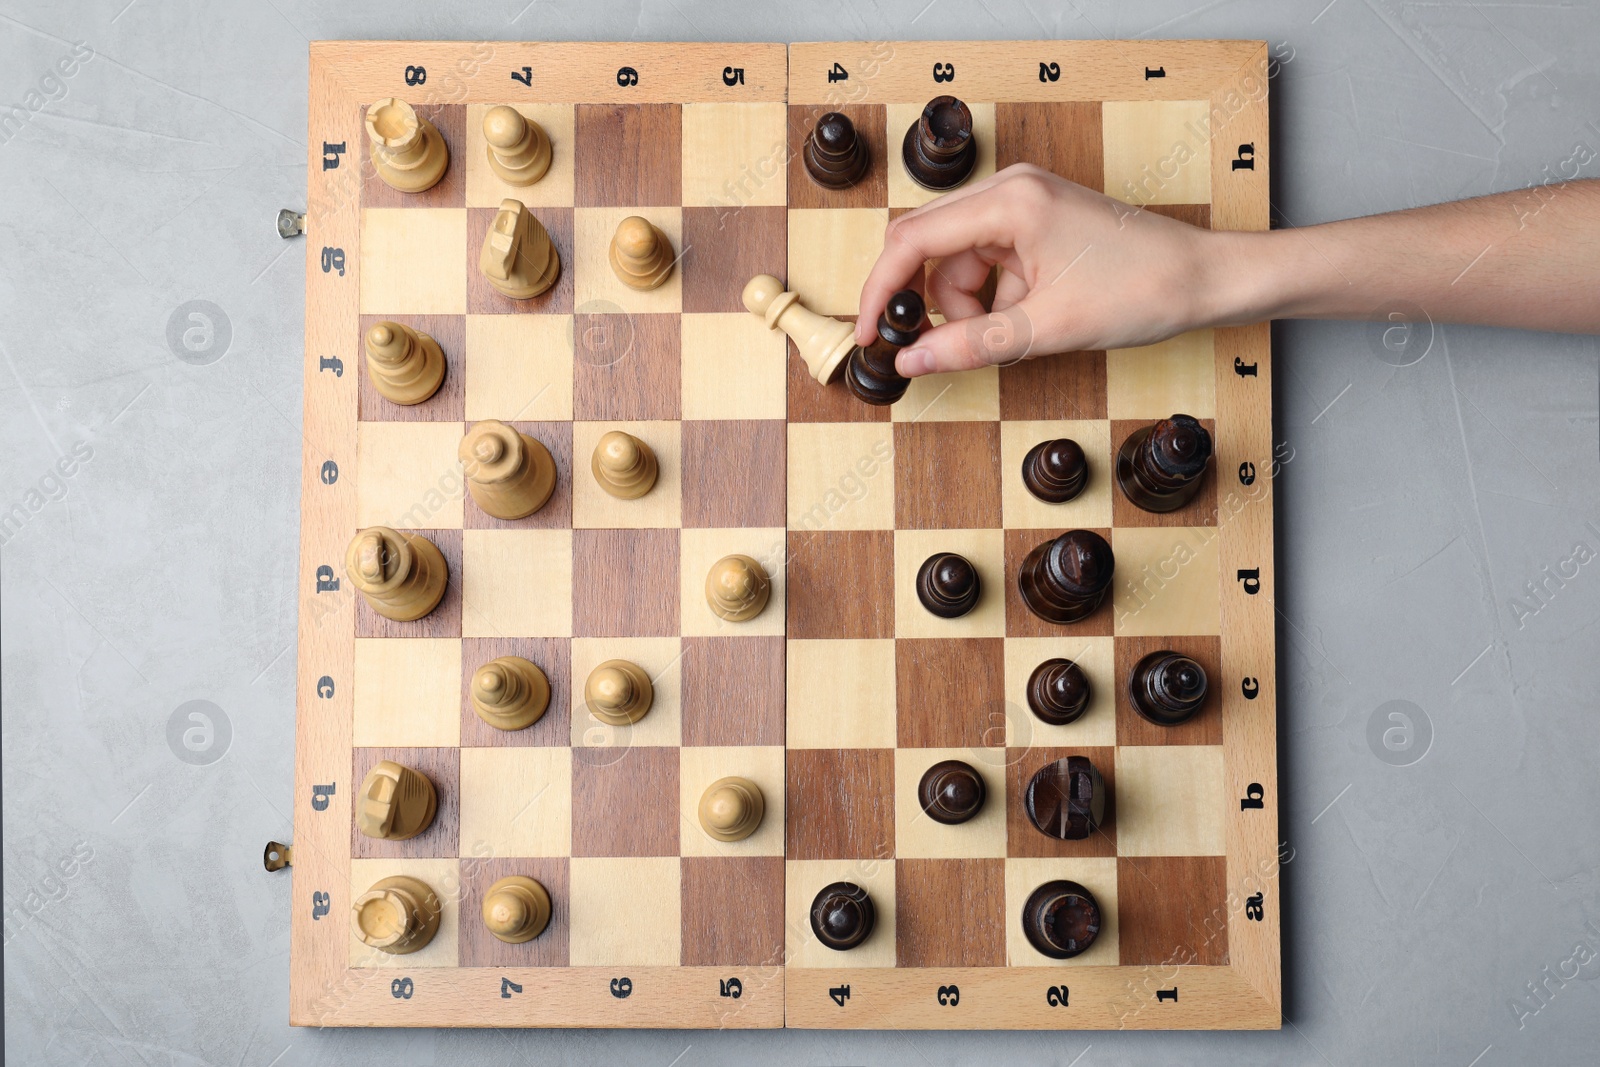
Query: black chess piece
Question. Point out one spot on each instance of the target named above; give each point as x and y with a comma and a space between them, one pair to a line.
1065, 579
939, 149
947, 585
1061, 919
870, 375
835, 156
1167, 688
951, 792
1055, 471
1066, 799
842, 915
1161, 467
1058, 692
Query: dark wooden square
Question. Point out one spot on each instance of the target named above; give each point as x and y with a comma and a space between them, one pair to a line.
451, 191
1194, 214
733, 691
443, 621
449, 404
734, 473
949, 692
732, 909
628, 155
441, 838
950, 913
1071, 385
1064, 138
625, 804
841, 583
1172, 910
485, 299
479, 948
871, 122
723, 248
1025, 839
947, 476
1201, 510
625, 583
811, 401
1020, 622
553, 655
837, 803
557, 511
627, 367
1206, 726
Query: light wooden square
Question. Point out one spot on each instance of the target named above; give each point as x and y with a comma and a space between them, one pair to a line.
486, 189
595, 509
700, 549
841, 694
626, 911
413, 261
408, 476
830, 254
443, 876
1157, 151
596, 286
803, 879
1177, 376
986, 551
519, 368
841, 476
699, 767
516, 801
733, 367
967, 396
1170, 801
903, 192
661, 658
1097, 726
1090, 509
1097, 874
918, 837
1166, 581
517, 583
407, 692
734, 155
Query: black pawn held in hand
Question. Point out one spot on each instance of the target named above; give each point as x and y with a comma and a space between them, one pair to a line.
1065, 579
939, 149
1055, 471
1162, 466
947, 585
835, 157
1061, 919
871, 377
1167, 688
842, 915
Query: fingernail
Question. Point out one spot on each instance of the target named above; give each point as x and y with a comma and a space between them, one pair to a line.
913, 361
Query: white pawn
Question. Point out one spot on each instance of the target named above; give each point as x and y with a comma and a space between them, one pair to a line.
824, 343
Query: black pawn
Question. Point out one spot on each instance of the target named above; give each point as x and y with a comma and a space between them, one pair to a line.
1162, 466
1066, 799
1058, 692
842, 915
947, 585
1167, 688
1061, 919
870, 375
1055, 471
951, 792
1065, 579
939, 149
835, 157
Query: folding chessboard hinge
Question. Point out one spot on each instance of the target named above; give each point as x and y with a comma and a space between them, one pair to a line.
277, 855
291, 223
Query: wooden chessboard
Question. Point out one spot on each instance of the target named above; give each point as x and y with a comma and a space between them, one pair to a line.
839, 695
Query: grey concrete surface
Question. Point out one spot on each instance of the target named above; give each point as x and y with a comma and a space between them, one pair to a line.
1443, 911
